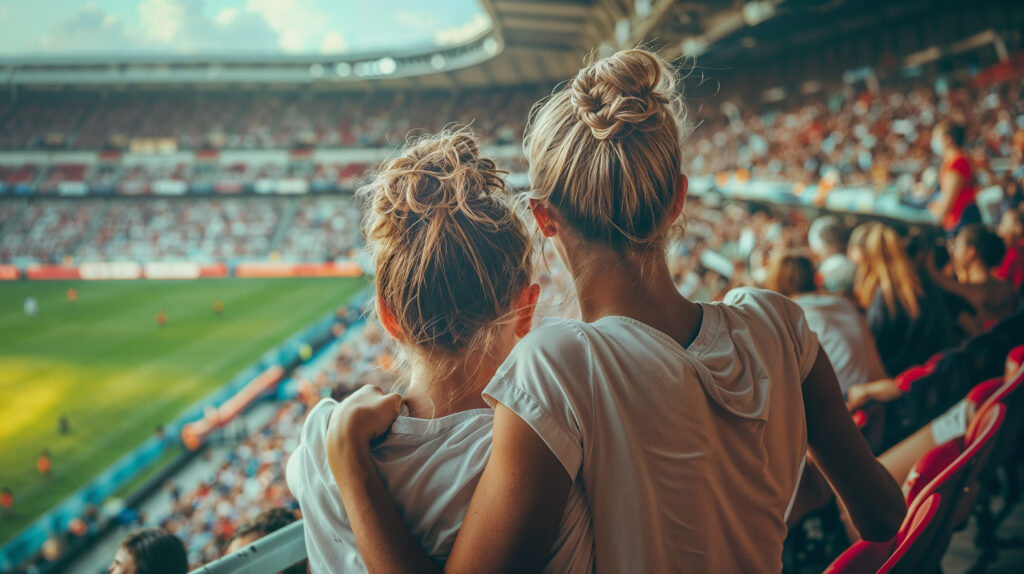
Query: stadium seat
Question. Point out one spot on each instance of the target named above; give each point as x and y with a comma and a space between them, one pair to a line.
864, 557
935, 489
907, 378
1014, 360
1007, 455
918, 529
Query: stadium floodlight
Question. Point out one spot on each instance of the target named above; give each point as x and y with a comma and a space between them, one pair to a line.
694, 47
490, 46
756, 12
316, 71
343, 69
643, 8
386, 66
437, 61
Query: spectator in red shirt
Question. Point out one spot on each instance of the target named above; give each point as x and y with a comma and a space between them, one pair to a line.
956, 205
1011, 231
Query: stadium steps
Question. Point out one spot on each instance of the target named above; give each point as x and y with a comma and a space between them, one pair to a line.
291, 207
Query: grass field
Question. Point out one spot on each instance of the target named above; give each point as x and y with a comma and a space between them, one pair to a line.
105, 363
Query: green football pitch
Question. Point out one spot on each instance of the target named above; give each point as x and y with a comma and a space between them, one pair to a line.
104, 363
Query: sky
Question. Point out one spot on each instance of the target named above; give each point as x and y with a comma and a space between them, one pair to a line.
227, 27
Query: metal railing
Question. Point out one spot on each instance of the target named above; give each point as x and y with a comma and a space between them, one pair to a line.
272, 553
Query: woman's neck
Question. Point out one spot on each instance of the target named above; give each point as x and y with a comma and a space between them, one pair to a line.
437, 389
631, 285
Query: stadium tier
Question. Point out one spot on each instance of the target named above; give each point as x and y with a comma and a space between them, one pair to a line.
811, 346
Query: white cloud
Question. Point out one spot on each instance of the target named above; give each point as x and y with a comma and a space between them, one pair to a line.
420, 21
464, 33
89, 27
226, 16
163, 21
163, 26
300, 27
334, 43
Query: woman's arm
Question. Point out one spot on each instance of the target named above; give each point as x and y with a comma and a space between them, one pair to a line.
882, 391
872, 498
523, 488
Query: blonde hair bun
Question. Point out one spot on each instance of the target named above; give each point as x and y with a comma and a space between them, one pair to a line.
605, 150
451, 251
621, 93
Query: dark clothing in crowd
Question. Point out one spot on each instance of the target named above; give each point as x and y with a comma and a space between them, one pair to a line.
957, 372
904, 342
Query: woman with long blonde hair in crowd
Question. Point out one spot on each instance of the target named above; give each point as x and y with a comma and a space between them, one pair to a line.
687, 424
906, 312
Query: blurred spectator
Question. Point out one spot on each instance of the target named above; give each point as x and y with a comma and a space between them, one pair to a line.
268, 521
906, 313
842, 330
1011, 231
829, 247
975, 257
150, 551
956, 205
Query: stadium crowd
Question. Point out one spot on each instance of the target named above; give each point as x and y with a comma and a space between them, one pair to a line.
858, 137
258, 121
881, 302
304, 229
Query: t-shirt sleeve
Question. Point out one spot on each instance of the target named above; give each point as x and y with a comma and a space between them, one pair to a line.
805, 341
542, 381
962, 167
789, 321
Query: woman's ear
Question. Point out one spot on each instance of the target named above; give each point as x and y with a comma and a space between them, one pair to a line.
388, 321
526, 305
544, 217
680, 199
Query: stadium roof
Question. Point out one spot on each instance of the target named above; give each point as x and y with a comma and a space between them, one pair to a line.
523, 42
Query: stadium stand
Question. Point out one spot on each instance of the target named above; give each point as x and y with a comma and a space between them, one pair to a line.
797, 108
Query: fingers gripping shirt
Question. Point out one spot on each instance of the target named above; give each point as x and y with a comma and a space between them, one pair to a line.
430, 468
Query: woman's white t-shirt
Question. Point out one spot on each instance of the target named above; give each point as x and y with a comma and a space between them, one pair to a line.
431, 468
690, 457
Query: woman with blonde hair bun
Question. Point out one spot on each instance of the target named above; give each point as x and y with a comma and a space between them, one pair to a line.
688, 424
454, 288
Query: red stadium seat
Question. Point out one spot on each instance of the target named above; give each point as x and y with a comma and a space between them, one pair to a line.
907, 378
862, 557
982, 392
948, 476
930, 466
918, 528
1006, 455
1014, 360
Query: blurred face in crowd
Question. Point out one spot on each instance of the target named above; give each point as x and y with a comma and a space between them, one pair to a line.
123, 563
241, 542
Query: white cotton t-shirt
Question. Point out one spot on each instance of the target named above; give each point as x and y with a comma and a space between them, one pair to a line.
844, 334
690, 457
431, 468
